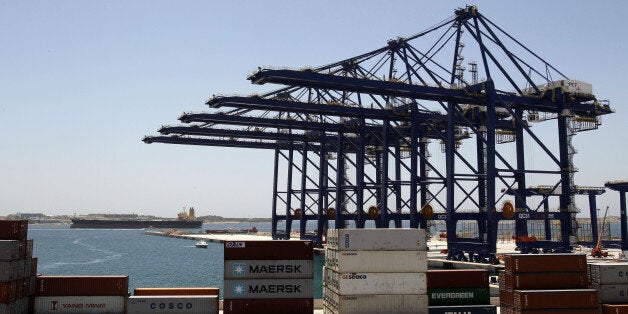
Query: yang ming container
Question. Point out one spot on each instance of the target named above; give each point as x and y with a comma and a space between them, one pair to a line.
402, 239
9, 250
609, 273
206, 291
464, 309
13, 229
457, 278
375, 303
268, 288
376, 261
82, 286
172, 304
79, 304
555, 299
267, 306
553, 280
612, 293
525, 263
375, 283
268, 269
268, 250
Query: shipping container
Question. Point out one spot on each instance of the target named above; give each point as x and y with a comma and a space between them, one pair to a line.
547, 280
464, 309
375, 283
558, 311
376, 261
507, 297
401, 239
33, 266
29, 248
206, 291
526, 263
268, 306
173, 304
268, 288
13, 229
8, 271
79, 304
555, 299
609, 273
268, 250
82, 286
458, 296
612, 293
614, 308
9, 250
457, 278
268, 269
375, 303
7, 291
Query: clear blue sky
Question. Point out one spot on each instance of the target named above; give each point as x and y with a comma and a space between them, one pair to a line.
81, 82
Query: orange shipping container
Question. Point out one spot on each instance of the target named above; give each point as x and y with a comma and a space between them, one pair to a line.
177, 291
82, 286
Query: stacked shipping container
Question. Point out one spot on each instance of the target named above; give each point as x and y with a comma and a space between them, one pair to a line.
375, 271
268, 277
546, 283
465, 287
611, 282
195, 300
17, 266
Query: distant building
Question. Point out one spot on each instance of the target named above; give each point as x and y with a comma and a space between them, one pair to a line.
31, 216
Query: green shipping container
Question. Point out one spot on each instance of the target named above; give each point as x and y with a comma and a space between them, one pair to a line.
458, 296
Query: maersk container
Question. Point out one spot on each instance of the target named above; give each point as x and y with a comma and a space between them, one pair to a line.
400, 239
375, 283
268, 250
609, 273
463, 309
375, 303
13, 229
555, 299
80, 304
458, 296
206, 291
172, 304
82, 285
376, 261
9, 250
525, 263
268, 306
612, 293
268, 288
268, 269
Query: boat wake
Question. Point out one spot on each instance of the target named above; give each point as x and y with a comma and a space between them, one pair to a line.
108, 256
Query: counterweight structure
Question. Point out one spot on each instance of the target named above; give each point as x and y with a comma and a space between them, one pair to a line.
399, 137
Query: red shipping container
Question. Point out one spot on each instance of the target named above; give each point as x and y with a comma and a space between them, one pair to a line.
33, 266
268, 306
176, 291
556, 311
544, 281
268, 250
7, 291
13, 229
82, 286
614, 308
457, 278
530, 263
507, 297
555, 299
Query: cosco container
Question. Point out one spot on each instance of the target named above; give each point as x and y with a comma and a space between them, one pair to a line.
463, 309
268, 288
82, 285
267, 306
609, 273
79, 304
374, 303
268, 269
615, 309
612, 293
458, 296
553, 280
207, 291
402, 239
269, 250
375, 283
9, 250
524, 263
457, 278
13, 229
376, 261
555, 299
172, 304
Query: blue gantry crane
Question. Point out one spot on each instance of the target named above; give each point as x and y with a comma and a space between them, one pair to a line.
406, 134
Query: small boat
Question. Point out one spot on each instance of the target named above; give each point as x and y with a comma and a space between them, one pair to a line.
201, 244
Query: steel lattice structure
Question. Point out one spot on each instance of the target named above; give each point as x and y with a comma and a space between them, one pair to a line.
399, 136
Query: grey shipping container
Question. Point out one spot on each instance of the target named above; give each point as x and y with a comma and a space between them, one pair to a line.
268, 288
401, 239
375, 303
612, 293
463, 309
172, 304
375, 283
79, 304
9, 250
609, 273
8, 270
268, 269
376, 261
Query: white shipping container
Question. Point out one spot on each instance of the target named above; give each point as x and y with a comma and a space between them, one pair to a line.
609, 273
612, 293
568, 86
401, 239
9, 250
172, 304
80, 304
376, 261
8, 271
268, 269
375, 283
375, 303
268, 288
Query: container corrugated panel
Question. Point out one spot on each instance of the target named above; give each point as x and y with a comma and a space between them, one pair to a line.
172, 304
13, 229
376, 261
79, 304
29, 248
457, 278
615, 309
7, 291
463, 309
269, 250
553, 280
9, 250
268, 288
609, 273
82, 285
375, 303
267, 306
33, 266
268, 269
507, 297
555, 299
8, 271
376, 283
522, 263
612, 293
458, 296
558, 311
206, 291
402, 239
